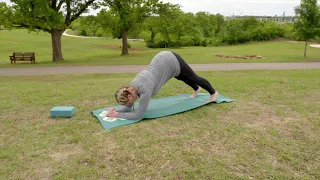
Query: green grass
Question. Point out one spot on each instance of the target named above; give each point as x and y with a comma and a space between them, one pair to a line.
271, 132
106, 51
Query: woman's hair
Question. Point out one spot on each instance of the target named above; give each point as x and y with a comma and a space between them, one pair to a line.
121, 95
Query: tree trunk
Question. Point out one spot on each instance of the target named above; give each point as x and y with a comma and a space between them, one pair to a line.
124, 43
168, 37
56, 45
153, 35
305, 49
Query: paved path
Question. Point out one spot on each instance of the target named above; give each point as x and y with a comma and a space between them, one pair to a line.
88, 37
138, 68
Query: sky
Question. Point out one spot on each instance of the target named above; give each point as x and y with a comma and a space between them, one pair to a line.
236, 7
239, 7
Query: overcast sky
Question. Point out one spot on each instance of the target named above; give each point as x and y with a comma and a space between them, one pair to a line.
236, 7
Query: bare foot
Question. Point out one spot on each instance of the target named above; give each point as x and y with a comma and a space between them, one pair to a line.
213, 97
195, 93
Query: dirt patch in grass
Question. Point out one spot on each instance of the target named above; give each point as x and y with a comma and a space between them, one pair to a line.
295, 42
116, 47
242, 57
65, 152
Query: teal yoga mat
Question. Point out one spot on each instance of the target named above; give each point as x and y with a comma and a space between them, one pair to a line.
162, 107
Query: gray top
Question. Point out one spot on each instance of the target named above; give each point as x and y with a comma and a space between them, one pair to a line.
148, 82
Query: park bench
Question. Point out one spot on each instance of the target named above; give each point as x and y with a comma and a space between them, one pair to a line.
19, 56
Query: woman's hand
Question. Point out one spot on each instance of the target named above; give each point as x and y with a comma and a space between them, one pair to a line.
112, 109
112, 113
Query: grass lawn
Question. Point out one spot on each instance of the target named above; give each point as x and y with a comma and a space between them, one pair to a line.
106, 51
271, 132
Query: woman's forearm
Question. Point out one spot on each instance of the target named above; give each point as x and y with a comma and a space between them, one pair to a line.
126, 108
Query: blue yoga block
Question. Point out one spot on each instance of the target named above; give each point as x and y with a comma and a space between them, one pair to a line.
62, 111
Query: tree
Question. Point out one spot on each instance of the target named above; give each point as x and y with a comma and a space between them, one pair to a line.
90, 26
234, 32
168, 13
308, 22
127, 14
170, 28
220, 22
52, 16
175, 26
5, 15
152, 25
204, 24
250, 23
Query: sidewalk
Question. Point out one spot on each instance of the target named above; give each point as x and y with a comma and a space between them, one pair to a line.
138, 68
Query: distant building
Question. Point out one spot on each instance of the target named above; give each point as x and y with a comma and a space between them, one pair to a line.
278, 19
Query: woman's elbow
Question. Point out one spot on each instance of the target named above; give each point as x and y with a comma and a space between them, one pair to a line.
138, 117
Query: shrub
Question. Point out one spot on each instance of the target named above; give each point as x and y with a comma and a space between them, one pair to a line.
146, 36
186, 41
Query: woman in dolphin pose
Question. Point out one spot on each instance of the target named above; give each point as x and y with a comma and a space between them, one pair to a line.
164, 66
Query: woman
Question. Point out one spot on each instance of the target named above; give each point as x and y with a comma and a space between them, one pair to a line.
164, 66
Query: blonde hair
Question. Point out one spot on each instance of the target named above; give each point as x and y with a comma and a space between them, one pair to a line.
121, 95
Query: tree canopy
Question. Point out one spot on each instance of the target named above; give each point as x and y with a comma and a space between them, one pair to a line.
5, 15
